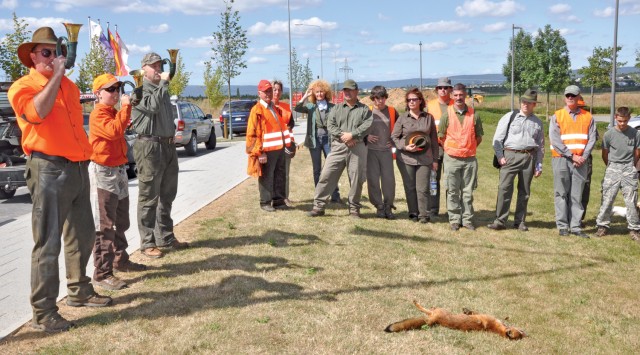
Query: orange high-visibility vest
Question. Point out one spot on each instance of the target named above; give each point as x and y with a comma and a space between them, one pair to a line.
275, 134
575, 135
460, 141
433, 107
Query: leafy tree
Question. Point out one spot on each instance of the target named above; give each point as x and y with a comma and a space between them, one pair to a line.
550, 66
180, 79
213, 85
598, 73
307, 75
301, 75
523, 54
95, 63
230, 44
9, 61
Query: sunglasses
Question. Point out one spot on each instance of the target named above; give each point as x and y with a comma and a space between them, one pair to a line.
112, 89
442, 87
411, 99
46, 53
570, 96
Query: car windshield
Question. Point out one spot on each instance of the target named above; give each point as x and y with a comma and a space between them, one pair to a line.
241, 105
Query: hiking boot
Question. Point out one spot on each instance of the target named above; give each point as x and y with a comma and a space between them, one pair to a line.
111, 283
380, 213
177, 245
454, 226
413, 217
563, 232
315, 213
152, 252
602, 231
496, 227
55, 323
94, 301
388, 212
130, 266
267, 208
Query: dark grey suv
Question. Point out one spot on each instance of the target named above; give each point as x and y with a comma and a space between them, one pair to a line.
192, 127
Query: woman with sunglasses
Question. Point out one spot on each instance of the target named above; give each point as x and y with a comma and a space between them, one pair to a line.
416, 139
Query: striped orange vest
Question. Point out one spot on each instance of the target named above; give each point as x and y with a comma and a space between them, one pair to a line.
274, 132
460, 141
433, 107
575, 135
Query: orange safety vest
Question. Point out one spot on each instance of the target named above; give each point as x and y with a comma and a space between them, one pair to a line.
575, 135
433, 107
460, 141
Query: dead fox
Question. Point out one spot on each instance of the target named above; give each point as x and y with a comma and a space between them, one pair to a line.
466, 322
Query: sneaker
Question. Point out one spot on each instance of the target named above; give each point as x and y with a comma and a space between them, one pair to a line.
454, 226
315, 213
153, 253
267, 208
55, 323
601, 232
111, 283
130, 266
94, 301
496, 227
177, 245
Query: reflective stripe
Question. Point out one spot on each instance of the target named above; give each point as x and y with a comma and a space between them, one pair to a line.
272, 135
572, 146
271, 144
565, 137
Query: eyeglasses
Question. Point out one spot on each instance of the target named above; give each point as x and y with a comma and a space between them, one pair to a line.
111, 89
570, 96
413, 99
46, 52
442, 87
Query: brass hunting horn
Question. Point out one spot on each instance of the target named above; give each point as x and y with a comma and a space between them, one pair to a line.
173, 58
71, 43
137, 75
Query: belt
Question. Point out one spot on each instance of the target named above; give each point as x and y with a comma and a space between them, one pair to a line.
523, 151
54, 158
146, 137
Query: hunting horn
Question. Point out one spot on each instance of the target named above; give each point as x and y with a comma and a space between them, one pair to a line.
137, 75
173, 58
71, 44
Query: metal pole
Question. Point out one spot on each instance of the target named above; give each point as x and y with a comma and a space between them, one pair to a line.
290, 61
420, 44
513, 47
614, 65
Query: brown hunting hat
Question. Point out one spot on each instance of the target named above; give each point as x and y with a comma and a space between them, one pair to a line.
43, 35
420, 139
530, 96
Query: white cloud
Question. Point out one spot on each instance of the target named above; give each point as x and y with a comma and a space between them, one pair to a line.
273, 49
161, 28
256, 60
136, 49
475, 8
606, 12
560, 8
34, 23
38, 4
9, 4
411, 47
566, 31
440, 26
365, 33
495, 27
282, 27
200, 42
459, 41
382, 17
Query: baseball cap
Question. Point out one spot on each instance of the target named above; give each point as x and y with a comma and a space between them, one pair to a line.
350, 84
150, 58
104, 81
530, 96
572, 89
264, 85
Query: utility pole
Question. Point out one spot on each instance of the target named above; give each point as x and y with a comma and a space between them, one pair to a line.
513, 54
346, 69
613, 67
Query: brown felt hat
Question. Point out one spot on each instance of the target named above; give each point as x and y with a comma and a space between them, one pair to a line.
420, 139
43, 35
530, 96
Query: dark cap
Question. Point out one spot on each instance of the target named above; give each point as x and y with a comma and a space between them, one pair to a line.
150, 58
530, 96
350, 84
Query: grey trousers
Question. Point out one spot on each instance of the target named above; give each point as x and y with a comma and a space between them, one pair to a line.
157, 188
568, 184
518, 165
355, 161
461, 175
381, 179
61, 206
415, 179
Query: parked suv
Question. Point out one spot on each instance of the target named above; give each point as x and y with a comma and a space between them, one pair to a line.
240, 110
192, 127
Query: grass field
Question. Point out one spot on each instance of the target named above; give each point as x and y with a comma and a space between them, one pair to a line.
284, 283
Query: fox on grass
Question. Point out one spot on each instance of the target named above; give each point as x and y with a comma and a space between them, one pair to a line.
467, 321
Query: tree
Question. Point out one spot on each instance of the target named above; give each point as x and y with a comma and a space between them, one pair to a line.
598, 73
95, 63
301, 75
550, 66
230, 44
9, 61
523, 54
213, 85
307, 75
180, 79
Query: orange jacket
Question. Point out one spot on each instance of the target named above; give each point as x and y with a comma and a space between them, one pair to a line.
106, 134
61, 132
575, 135
264, 134
460, 141
433, 107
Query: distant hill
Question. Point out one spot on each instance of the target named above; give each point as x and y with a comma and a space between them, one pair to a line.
480, 79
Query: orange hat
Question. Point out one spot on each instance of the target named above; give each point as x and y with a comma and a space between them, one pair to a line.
104, 81
264, 85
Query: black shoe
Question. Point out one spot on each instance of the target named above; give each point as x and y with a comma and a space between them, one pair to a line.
455, 226
315, 213
55, 323
563, 232
413, 217
521, 227
337, 200
282, 207
470, 227
267, 208
496, 226
581, 234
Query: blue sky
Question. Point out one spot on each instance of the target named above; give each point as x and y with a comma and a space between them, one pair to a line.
378, 38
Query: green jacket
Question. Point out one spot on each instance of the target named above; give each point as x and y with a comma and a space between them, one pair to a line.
154, 114
312, 114
355, 120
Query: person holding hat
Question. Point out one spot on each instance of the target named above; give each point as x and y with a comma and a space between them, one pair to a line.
436, 107
268, 136
348, 124
572, 134
155, 154
49, 113
460, 132
109, 182
416, 139
519, 147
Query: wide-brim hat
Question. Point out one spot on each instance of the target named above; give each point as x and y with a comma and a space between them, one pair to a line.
445, 82
530, 96
43, 35
420, 139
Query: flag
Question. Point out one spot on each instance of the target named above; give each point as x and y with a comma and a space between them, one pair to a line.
116, 55
124, 54
105, 44
95, 31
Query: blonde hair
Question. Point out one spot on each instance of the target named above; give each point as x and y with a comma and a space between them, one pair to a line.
322, 85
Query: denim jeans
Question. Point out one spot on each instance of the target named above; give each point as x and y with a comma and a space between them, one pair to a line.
323, 145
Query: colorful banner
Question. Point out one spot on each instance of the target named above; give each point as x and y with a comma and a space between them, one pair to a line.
124, 54
120, 68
